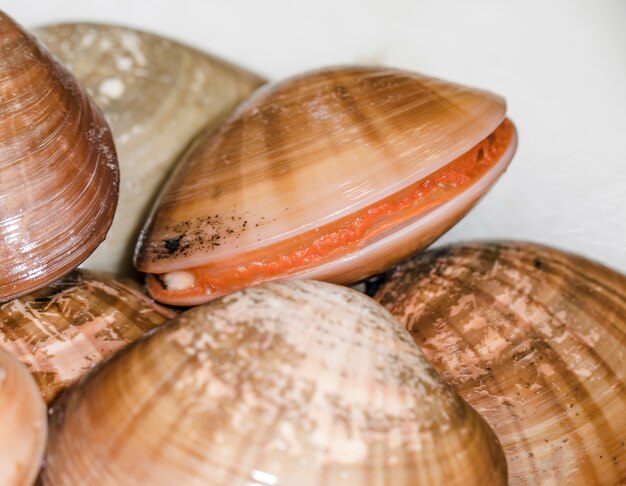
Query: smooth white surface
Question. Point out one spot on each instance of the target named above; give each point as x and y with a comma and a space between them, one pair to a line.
561, 64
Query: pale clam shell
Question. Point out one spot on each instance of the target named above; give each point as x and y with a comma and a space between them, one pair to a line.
309, 151
535, 340
300, 383
23, 424
58, 169
62, 331
156, 94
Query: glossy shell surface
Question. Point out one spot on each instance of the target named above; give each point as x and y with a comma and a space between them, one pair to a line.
62, 331
58, 168
296, 383
535, 340
334, 174
156, 94
23, 424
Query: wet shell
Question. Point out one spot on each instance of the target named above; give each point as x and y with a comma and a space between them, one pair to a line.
58, 169
299, 383
156, 94
23, 424
535, 340
332, 175
62, 331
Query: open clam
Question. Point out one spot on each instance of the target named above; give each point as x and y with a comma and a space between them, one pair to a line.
535, 340
156, 94
58, 169
62, 331
300, 383
23, 424
333, 175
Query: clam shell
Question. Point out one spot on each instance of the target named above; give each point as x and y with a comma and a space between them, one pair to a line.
306, 164
156, 94
23, 424
58, 169
535, 340
295, 383
62, 331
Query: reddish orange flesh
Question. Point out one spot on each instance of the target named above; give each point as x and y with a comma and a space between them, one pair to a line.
346, 234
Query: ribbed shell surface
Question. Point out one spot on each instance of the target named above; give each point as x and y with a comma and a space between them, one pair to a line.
58, 168
23, 424
308, 151
535, 340
296, 383
156, 94
62, 331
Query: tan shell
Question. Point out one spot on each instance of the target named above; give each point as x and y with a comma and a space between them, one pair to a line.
58, 169
308, 154
156, 94
299, 383
62, 331
535, 340
23, 424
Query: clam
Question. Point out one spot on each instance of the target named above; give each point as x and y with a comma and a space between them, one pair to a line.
535, 340
287, 383
332, 175
156, 94
23, 424
58, 169
62, 331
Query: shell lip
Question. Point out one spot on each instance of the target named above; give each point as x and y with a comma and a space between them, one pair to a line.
423, 222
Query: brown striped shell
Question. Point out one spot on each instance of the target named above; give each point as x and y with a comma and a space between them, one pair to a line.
23, 424
333, 175
156, 94
535, 340
58, 168
301, 383
62, 331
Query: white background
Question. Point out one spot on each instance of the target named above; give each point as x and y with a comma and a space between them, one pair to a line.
560, 64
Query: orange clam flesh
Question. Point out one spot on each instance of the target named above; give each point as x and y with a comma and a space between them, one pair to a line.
333, 175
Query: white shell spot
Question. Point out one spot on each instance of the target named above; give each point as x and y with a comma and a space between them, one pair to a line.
112, 88
179, 280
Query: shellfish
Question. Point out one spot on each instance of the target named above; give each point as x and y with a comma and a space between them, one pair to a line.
23, 424
156, 94
62, 331
58, 169
288, 383
332, 175
535, 340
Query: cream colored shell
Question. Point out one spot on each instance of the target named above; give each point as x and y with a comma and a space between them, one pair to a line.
157, 94
535, 340
301, 383
23, 424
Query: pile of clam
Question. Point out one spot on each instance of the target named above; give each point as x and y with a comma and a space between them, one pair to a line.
478, 363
